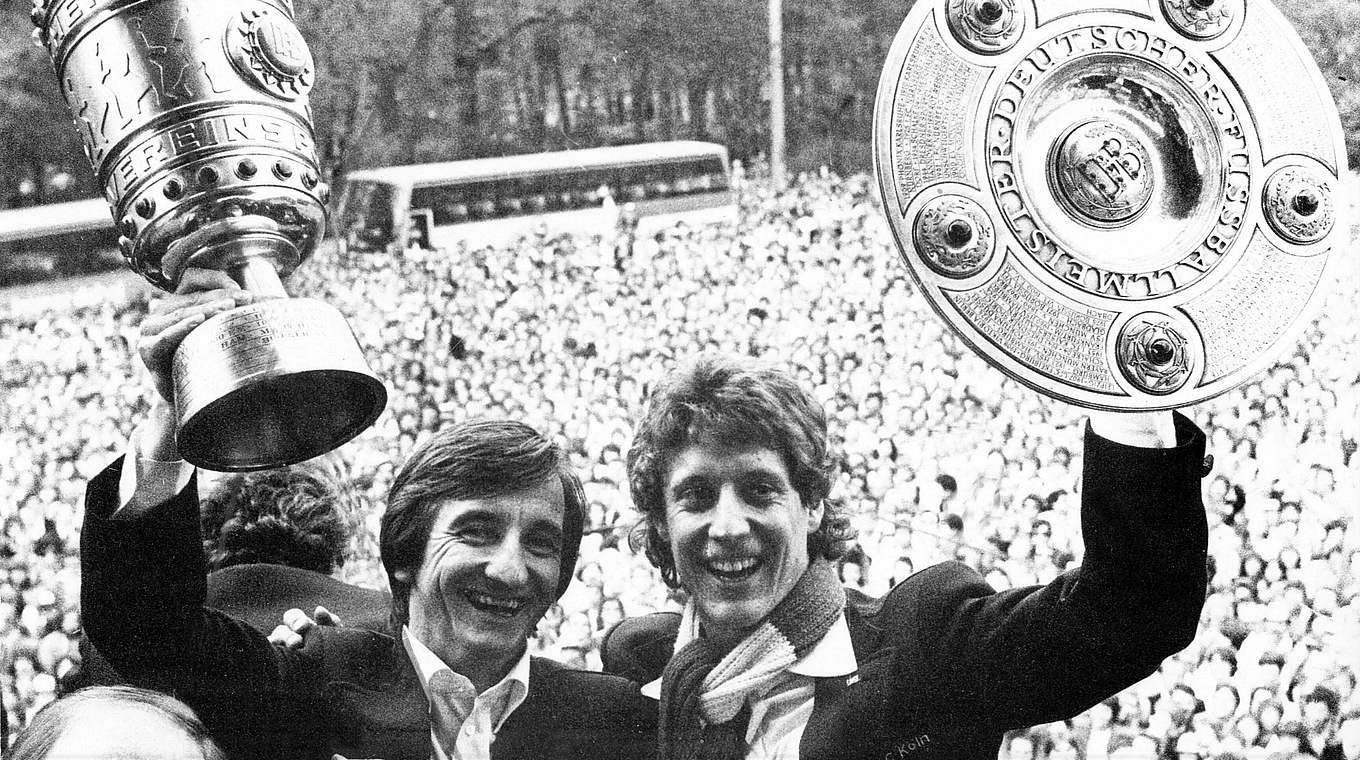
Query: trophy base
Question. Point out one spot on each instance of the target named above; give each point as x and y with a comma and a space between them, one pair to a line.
271, 384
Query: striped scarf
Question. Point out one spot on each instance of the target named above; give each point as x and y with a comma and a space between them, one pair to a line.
704, 691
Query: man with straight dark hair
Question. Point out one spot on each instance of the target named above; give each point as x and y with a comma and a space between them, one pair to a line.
481, 534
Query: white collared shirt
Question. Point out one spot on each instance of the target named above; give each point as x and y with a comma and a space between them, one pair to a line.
490, 709
150, 481
781, 712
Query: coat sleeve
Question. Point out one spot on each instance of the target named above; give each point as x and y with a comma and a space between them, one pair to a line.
1039, 654
142, 605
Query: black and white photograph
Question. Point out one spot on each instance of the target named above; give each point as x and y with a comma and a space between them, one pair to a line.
679, 379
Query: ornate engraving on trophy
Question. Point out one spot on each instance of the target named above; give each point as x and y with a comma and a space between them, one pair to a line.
985, 26
271, 54
1265, 71
1154, 355
1160, 181
1299, 205
1201, 19
1080, 189
1253, 306
175, 56
955, 235
1102, 173
931, 116
1060, 341
145, 158
207, 169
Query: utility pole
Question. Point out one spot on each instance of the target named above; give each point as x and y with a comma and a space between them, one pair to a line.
777, 175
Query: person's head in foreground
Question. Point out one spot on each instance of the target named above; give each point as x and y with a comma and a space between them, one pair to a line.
115, 723
730, 469
480, 537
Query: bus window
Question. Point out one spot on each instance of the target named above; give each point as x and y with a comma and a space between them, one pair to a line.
53, 256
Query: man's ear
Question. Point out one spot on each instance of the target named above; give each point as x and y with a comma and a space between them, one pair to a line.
662, 530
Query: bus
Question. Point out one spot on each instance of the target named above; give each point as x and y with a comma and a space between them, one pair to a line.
57, 241
487, 200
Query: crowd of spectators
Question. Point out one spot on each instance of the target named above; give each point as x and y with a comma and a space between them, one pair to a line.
939, 456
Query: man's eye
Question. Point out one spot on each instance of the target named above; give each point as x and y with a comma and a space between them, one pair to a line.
694, 497
762, 491
545, 547
477, 535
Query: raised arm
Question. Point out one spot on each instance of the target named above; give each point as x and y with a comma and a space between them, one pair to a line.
143, 570
1038, 654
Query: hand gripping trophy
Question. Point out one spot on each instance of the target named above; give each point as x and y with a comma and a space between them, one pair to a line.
1127, 205
194, 115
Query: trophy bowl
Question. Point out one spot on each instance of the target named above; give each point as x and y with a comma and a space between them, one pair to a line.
1126, 206
194, 116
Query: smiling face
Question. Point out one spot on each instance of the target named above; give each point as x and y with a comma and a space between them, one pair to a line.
489, 572
738, 531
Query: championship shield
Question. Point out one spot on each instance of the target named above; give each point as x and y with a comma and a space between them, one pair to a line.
194, 115
1130, 205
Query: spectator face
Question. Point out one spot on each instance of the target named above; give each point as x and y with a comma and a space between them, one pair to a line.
611, 613
1248, 730
737, 529
1223, 703
1315, 714
1270, 718
489, 572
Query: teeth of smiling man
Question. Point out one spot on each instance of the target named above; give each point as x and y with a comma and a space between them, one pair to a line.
509, 605
733, 565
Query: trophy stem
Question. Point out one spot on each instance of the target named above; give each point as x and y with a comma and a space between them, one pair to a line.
259, 276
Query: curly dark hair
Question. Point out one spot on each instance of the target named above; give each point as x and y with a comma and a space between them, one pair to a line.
299, 516
739, 404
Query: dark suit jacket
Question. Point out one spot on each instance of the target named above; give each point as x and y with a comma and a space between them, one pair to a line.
347, 691
947, 665
260, 593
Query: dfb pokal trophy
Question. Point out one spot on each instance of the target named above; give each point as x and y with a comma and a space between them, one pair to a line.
1127, 204
194, 116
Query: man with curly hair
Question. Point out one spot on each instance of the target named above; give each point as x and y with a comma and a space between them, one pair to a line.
773, 658
277, 539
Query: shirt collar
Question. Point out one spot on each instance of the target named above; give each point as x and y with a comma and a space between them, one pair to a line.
510, 691
833, 656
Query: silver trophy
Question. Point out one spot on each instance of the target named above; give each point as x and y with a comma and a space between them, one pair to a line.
1128, 207
194, 115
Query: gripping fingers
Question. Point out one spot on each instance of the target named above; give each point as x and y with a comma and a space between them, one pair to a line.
297, 621
324, 616
285, 637
194, 280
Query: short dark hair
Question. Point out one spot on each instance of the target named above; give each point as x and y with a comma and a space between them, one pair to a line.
297, 516
36, 741
738, 404
475, 459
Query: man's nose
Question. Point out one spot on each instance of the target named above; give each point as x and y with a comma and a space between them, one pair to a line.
729, 516
507, 563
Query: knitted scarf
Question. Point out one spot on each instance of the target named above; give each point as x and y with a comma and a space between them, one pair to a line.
704, 691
